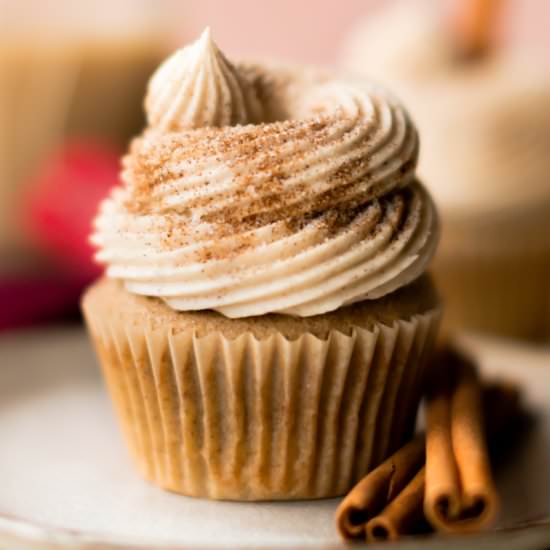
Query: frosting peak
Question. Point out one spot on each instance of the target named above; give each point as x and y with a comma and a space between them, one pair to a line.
198, 87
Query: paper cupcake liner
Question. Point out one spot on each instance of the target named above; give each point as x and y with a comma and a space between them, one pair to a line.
250, 419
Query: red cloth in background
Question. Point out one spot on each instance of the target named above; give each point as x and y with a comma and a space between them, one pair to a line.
25, 302
63, 198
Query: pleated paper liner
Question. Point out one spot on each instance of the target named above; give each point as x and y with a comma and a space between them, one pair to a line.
250, 419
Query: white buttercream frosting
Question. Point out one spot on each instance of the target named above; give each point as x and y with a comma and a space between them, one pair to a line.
312, 207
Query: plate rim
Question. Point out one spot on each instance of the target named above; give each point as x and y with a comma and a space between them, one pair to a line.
47, 537
30, 533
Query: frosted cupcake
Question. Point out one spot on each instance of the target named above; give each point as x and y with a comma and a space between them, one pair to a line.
485, 125
265, 319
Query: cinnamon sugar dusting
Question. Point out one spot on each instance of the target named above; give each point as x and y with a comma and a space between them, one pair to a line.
256, 198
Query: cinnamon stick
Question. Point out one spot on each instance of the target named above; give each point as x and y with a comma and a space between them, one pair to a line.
401, 515
388, 502
373, 493
473, 27
404, 514
460, 495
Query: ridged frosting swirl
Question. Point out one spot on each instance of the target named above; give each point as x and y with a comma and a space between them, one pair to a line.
312, 207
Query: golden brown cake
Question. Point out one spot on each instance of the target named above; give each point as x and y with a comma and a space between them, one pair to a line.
265, 320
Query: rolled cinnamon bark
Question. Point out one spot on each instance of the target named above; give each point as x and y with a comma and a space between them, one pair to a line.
473, 27
440, 461
401, 515
388, 502
380, 487
460, 495
404, 515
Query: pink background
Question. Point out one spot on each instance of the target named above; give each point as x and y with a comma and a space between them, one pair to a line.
312, 30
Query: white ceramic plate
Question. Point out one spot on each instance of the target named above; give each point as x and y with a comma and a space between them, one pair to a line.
66, 480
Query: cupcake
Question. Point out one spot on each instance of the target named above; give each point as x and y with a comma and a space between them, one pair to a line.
265, 318
484, 119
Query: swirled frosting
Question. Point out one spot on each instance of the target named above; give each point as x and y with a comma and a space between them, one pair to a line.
312, 207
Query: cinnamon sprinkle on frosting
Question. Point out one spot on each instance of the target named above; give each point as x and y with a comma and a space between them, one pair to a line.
290, 191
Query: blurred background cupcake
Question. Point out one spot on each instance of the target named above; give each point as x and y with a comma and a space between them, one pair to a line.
482, 104
74, 69
73, 76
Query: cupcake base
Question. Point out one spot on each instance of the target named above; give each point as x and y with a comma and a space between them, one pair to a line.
262, 408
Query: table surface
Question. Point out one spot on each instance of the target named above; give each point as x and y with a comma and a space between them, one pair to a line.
67, 481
